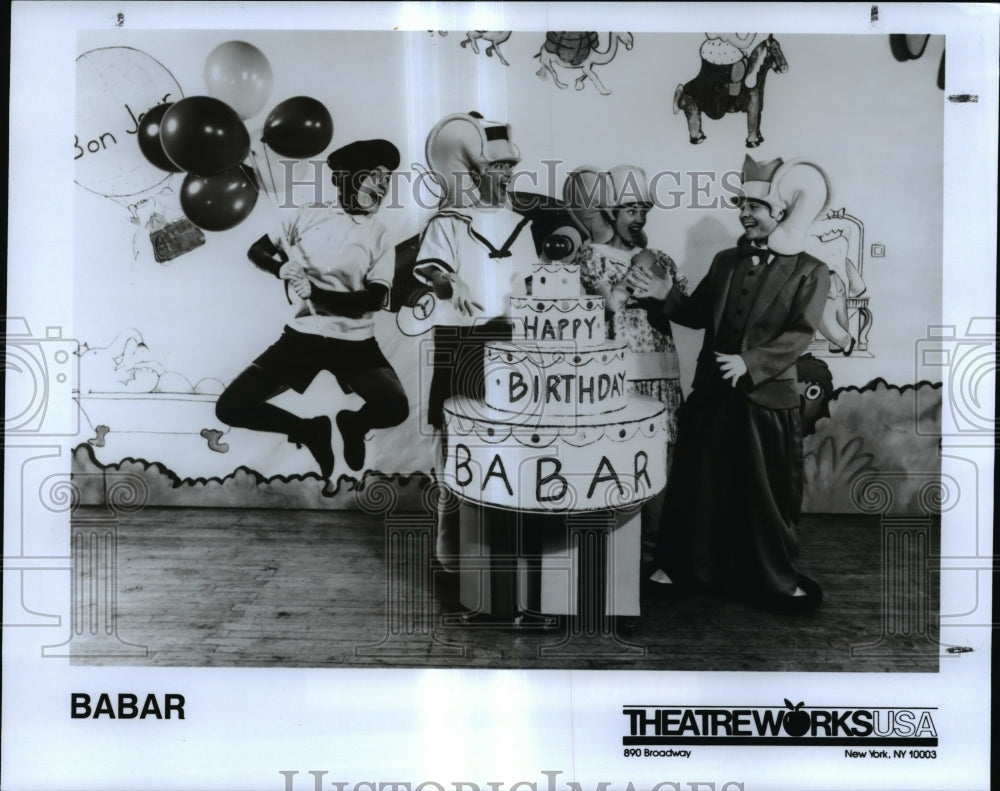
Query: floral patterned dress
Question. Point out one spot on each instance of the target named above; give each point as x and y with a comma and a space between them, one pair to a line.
654, 368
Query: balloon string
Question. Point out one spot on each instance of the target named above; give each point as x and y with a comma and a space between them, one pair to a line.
290, 232
270, 171
263, 188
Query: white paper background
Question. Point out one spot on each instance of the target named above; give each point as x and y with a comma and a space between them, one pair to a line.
450, 726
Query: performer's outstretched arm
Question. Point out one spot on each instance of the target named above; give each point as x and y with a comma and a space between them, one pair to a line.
266, 255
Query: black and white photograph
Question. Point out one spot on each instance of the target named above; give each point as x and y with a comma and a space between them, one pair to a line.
396, 405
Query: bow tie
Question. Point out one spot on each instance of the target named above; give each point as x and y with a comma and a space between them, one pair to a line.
759, 254
745, 246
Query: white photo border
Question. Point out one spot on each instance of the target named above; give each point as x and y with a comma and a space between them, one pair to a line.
289, 729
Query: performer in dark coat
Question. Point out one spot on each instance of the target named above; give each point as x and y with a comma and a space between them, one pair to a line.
734, 493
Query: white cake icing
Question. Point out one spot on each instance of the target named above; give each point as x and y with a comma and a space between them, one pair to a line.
559, 363
556, 430
556, 280
541, 378
558, 309
577, 320
561, 465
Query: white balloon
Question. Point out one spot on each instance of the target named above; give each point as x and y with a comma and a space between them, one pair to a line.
115, 87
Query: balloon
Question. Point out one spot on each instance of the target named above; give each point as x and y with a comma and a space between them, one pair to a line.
204, 136
149, 138
299, 127
114, 87
238, 74
220, 202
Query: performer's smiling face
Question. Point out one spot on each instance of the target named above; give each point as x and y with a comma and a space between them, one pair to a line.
373, 188
493, 183
757, 219
629, 221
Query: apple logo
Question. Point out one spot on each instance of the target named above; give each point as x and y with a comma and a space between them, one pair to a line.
796, 722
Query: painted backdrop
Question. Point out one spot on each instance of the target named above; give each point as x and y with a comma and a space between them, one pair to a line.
164, 331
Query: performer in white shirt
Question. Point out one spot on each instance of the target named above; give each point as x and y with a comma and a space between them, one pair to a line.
338, 265
475, 253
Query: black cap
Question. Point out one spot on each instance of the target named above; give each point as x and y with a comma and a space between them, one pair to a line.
364, 155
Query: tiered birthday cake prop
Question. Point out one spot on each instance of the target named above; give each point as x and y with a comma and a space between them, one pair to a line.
556, 430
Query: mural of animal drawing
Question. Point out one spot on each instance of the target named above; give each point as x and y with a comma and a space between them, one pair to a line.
122, 388
729, 86
495, 37
123, 366
835, 240
578, 51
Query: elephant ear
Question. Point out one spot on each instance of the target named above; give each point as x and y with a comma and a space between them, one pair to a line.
582, 196
455, 149
591, 223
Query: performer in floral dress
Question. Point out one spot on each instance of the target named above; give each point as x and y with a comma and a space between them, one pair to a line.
604, 266
653, 368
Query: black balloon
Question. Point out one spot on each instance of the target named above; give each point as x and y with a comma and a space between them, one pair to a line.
149, 138
299, 127
204, 136
220, 202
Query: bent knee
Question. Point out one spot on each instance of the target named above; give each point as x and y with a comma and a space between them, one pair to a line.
397, 409
225, 408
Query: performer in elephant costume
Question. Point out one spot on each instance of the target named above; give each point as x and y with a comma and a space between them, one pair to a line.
734, 493
475, 253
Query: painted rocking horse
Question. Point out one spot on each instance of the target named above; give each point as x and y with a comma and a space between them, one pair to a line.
738, 87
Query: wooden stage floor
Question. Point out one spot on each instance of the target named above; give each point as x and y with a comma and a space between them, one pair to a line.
279, 588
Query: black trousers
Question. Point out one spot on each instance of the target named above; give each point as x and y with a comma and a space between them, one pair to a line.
734, 496
459, 365
292, 363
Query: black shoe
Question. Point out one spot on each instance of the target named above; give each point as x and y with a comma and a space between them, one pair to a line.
316, 434
522, 621
444, 583
797, 605
536, 621
354, 439
664, 591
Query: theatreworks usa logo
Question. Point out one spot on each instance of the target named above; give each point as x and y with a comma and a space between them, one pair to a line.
791, 724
